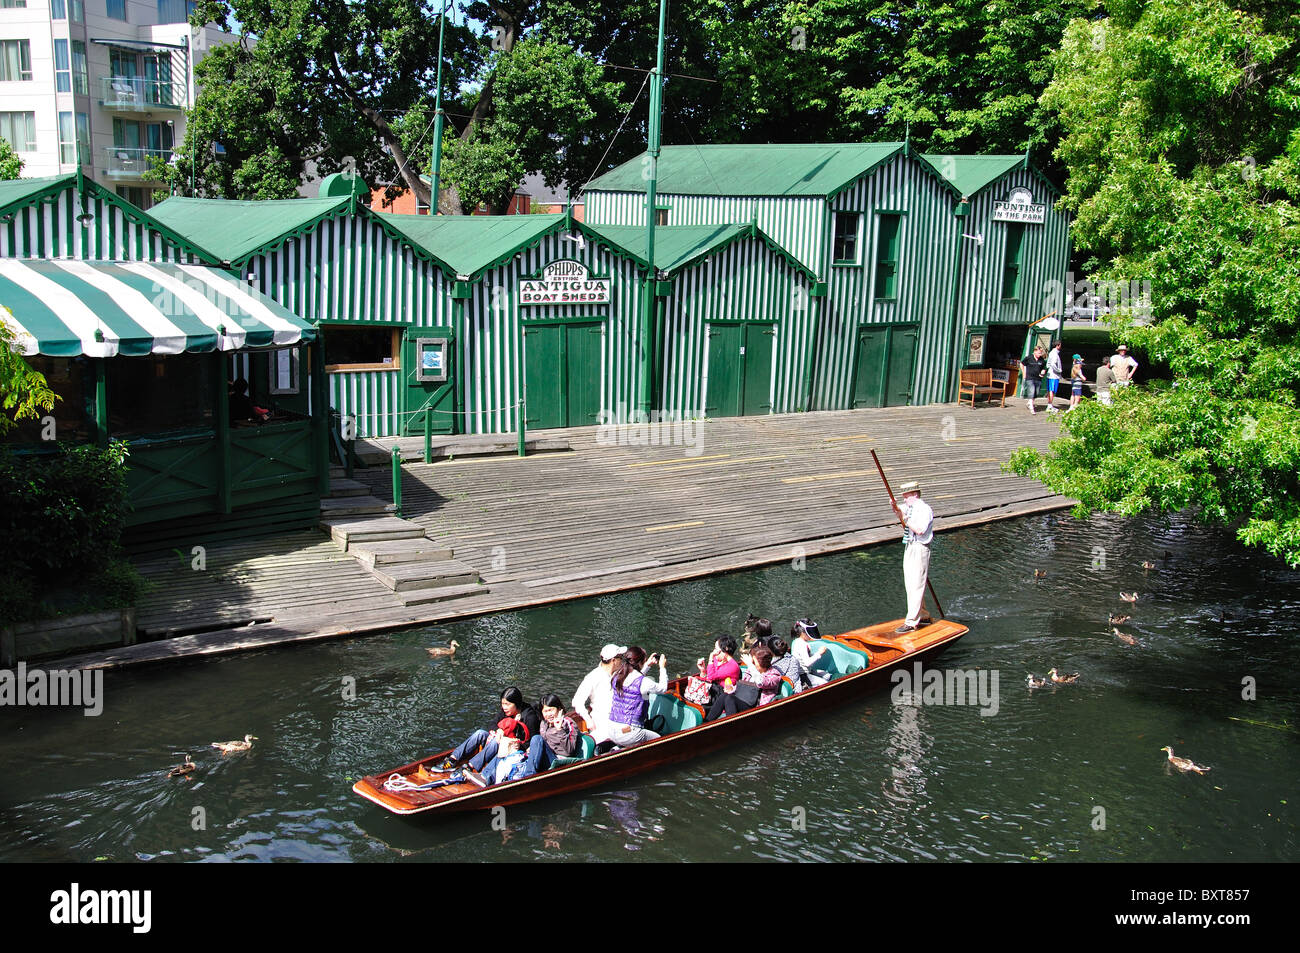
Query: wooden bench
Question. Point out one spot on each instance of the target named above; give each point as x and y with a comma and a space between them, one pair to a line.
979, 382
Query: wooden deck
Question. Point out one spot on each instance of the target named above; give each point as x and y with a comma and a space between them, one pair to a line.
604, 517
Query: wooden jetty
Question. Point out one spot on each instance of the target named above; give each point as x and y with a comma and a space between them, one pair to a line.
607, 515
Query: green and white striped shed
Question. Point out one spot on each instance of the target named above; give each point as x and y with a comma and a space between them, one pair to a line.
69, 216
506, 345
725, 275
333, 263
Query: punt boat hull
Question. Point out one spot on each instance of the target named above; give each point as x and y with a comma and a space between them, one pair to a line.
888, 654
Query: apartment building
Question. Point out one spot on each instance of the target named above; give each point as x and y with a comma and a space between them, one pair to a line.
108, 80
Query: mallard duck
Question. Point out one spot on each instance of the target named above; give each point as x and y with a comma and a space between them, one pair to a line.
440, 652
183, 769
1040, 573
1183, 764
234, 747
1119, 619
1147, 564
1124, 637
1033, 682
1129, 596
1060, 679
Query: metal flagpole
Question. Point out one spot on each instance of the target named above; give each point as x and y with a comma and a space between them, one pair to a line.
644, 364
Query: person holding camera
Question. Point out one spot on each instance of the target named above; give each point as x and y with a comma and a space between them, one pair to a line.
632, 691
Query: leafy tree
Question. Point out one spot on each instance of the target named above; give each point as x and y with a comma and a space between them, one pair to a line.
1182, 139
24, 392
11, 165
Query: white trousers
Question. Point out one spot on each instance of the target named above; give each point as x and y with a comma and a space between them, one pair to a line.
625, 736
916, 566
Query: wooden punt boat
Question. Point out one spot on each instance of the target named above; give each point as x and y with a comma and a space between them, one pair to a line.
861, 662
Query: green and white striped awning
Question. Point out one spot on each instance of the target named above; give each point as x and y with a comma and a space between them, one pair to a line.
103, 309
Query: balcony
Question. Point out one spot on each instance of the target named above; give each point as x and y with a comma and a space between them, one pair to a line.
136, 94
125, 162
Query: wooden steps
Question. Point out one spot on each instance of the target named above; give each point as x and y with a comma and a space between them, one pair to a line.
417, 597
347, 530
341, 486
404, 577
372, 555
353, 506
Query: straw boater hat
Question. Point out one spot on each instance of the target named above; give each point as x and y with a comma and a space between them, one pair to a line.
910, 487
1122, 347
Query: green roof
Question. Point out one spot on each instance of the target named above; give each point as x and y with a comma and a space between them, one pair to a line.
798, 169
970, 175
16, 191
470, 244
678, 246
233, 230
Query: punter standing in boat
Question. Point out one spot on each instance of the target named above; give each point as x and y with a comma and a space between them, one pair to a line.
918, 533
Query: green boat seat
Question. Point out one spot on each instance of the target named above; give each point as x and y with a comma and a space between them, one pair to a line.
586, 746
787, 688
842, 660
668, 713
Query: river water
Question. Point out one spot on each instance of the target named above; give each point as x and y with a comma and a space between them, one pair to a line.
1072, 773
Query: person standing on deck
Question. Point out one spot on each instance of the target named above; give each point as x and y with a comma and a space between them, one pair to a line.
918, 533
1123, 366
1054, 371
1032, 368
1105, 380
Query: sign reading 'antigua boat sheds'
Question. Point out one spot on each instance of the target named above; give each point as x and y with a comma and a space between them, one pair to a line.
564, 282
1019, 207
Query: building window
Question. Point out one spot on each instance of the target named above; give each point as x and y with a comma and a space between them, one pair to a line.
58, 10
1011, 262
136, 195
62, 67
661, 216
149, 395
116, 9
19, 129
80, 76
846, 237
9, 4
67, 377
83, 136
421, 206
67, 139
15, 60
366, 348
175, 11
887, 257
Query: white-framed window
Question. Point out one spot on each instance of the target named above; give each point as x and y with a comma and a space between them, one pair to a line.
15, 61
67, 139
20, 130
62, 67
845, 246
116, 9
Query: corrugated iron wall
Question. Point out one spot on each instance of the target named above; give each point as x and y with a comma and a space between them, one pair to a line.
927, 230
745, 281
50, 230
492, 345
349, 270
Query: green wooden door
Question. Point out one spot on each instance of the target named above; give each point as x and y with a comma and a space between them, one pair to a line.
582, 346
438, 398
562, 375
722, 397
869, 374
902, 365
757, 392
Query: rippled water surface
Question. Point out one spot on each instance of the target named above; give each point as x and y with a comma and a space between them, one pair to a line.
1064, 774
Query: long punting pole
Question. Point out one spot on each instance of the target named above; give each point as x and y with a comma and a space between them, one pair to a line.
437, 120
644, 364
928, 584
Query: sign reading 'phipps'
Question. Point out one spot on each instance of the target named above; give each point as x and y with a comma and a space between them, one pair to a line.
564, 282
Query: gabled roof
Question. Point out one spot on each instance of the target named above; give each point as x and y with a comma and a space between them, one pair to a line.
799, 169
677, 247
16, 194
471, 244
234, 230
970, 175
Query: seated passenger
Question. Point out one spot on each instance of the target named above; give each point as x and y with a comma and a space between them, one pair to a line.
511, 763
722, 671
756, 631
597, 690
783, 661
559, 738
762, 683
480, 747
811, 663
631, 694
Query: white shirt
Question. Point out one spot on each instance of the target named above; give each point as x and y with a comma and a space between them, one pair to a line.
1119, 363
599, 690
803, 651
1054, 364
919, 519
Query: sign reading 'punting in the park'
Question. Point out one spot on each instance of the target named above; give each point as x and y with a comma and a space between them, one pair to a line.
1019, 207
564, 282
